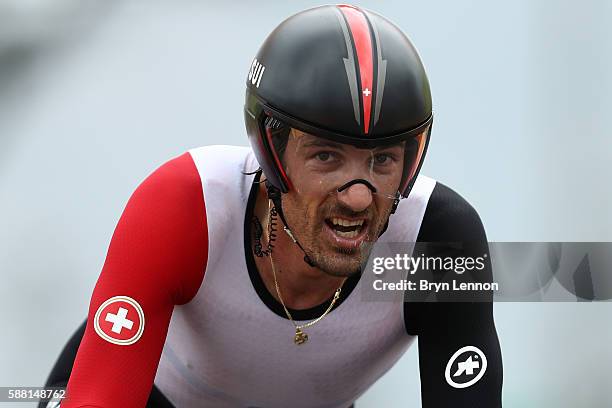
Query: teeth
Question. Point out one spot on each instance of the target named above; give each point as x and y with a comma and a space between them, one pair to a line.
351, 234
346, 223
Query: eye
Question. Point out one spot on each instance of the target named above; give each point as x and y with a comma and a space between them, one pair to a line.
324, 156
382, 158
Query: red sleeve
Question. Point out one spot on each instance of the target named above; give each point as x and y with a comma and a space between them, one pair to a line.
156, 259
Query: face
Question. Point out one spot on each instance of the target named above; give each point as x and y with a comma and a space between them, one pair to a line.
338, 228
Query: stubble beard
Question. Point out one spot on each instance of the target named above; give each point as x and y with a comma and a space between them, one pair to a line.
334, 261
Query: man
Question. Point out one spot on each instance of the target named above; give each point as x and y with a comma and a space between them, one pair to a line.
232, 277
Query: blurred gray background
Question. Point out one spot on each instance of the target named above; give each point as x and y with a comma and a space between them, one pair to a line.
94, 95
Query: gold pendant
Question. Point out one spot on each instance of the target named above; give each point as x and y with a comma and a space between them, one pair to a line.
300, 337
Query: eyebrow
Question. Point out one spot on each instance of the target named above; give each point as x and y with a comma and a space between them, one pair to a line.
319, 142
323, 143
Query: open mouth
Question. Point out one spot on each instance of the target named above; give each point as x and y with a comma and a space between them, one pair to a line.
346, 228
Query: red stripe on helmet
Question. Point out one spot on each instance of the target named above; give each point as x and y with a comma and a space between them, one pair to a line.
279, 165
360, 31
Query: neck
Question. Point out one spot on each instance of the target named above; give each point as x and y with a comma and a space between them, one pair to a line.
301, 285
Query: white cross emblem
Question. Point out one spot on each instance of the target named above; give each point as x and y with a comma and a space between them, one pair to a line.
367, 92
124, 305
119, 320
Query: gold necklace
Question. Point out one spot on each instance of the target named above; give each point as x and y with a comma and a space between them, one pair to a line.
300, 336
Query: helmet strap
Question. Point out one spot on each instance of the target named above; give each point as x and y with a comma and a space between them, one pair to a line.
393, 208
274, 194
396, 201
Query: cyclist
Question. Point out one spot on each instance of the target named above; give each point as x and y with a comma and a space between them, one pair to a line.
232, 277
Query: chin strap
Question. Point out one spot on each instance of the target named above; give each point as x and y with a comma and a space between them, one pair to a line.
396, 202
274, 194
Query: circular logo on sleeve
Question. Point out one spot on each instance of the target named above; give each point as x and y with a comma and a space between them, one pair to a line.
120, 320
465, 367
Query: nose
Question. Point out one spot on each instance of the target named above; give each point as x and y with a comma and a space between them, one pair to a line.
357, 197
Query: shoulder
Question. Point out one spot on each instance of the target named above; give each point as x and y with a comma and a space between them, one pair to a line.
164, 226
170, 194
185, 180
176, 177
450, 217
222, 169
455, 229
217, 160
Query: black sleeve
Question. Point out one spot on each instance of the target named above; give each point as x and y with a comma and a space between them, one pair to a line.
60, 373
445, 328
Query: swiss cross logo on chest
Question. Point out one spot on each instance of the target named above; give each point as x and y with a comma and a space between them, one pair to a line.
120, 320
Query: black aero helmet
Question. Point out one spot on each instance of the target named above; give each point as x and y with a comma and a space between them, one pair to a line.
344, 74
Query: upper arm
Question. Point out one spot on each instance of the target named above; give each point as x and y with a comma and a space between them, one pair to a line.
444, 328
156, 259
